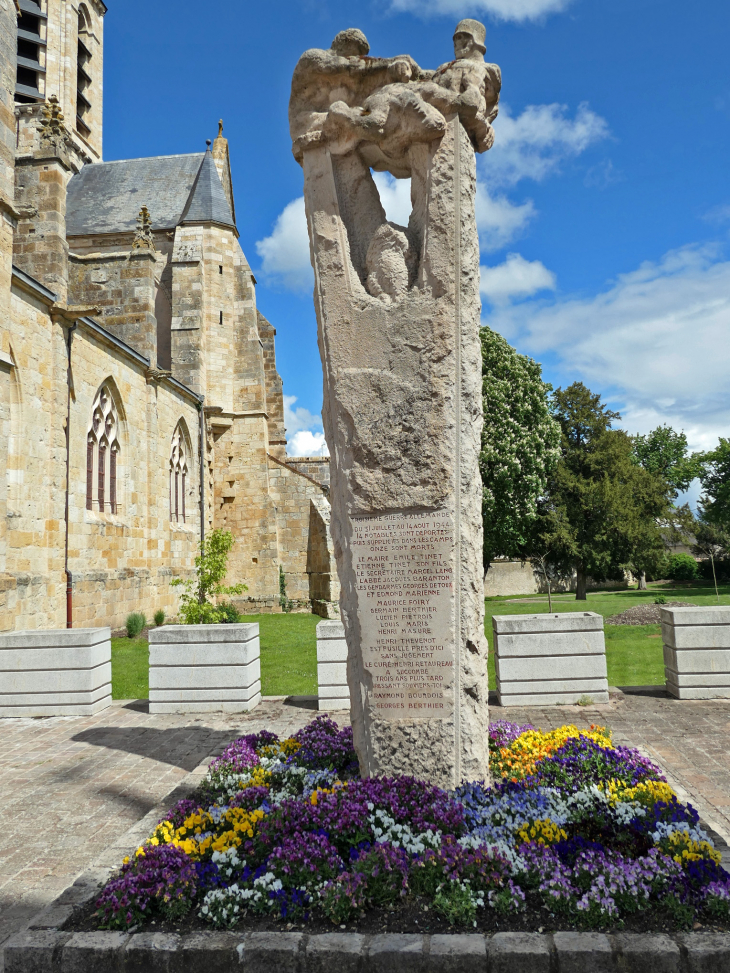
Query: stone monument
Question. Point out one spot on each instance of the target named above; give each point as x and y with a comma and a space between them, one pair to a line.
398, 314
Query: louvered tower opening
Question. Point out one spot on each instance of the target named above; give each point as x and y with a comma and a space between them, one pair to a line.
83, 75
31, 71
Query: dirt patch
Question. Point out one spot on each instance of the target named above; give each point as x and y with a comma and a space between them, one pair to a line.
415, 915
646, 614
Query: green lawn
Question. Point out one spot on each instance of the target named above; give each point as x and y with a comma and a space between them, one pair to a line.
289, 649
288, 654
130, 669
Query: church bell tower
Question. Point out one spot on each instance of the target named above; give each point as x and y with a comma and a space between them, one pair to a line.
61, 53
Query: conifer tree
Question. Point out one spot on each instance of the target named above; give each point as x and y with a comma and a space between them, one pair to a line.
603, 506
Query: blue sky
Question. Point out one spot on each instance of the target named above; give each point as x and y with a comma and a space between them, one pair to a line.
604, 208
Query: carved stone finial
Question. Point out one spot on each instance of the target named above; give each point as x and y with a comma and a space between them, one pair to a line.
143, 239
220, 128
52, 128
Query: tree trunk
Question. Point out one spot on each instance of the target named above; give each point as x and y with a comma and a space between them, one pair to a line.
580, 587
642, 581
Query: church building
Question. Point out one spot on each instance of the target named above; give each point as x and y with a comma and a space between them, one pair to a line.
140, 405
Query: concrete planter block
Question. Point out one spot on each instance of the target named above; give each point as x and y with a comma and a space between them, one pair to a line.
55, 672
205, 668
550, 659
697, 652
333, 691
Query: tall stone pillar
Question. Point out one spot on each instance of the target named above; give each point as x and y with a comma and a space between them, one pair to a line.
398, 313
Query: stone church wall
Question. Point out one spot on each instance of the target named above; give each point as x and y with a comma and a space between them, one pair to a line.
165, 336
292, 493
242, 503
34, 458
122, 286
121, 561
137, 550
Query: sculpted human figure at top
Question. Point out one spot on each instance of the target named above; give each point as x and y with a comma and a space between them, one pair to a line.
344, 74
473, 85
344, 98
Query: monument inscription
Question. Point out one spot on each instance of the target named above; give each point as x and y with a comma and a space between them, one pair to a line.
405, 590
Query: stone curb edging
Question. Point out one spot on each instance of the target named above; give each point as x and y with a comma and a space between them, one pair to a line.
48, 950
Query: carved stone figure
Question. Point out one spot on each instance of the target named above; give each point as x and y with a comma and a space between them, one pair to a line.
347, 98
398, 314
390, 263
343, 74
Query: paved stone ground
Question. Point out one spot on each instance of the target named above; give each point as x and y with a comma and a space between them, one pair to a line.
70, 786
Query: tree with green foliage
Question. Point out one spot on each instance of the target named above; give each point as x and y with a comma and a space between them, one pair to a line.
520, 447
663, 452
211, 565
715, 478
601, 507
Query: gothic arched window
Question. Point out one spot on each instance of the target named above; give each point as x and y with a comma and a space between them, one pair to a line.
102, 454
178, 474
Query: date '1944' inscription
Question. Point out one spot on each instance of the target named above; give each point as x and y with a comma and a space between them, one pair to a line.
405, 586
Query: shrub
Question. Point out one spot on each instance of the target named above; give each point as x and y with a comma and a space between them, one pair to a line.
286, 603
135, 623
682, 567
228, 613
159, 617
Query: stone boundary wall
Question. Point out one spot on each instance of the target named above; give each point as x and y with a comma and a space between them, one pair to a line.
521, 578
697, 651
550, 658
205, 668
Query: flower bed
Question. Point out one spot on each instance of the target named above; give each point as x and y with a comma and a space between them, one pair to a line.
576, 832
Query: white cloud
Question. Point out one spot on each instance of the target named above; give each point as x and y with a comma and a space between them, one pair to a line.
306, 443
285, 254
304, 430
518, 10
718, 214
499, 220
395, 195
516, 277
531, 146
655, 341
535, 143
300, 418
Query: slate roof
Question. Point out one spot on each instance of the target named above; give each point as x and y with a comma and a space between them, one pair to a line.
208, 203
106, 197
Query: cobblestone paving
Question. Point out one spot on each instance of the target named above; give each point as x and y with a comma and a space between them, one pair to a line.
70, 786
